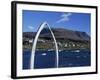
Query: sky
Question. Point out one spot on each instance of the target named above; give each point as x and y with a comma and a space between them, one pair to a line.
68, 20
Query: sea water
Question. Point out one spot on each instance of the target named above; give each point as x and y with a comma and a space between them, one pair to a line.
67, 58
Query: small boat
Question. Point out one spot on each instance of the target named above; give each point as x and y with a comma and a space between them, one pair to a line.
60, 50
77, 51
50, 50
44, 54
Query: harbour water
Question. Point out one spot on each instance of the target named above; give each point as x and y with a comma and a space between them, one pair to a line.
67, 58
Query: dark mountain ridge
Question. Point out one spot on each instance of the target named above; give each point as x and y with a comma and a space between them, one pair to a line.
60, 33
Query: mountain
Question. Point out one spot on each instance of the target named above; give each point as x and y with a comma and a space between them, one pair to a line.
60, 33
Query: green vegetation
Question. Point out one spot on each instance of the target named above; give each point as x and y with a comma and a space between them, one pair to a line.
62, 45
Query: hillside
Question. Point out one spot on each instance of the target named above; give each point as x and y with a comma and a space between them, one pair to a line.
60, 33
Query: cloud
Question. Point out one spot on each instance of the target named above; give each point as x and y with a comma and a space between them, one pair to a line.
64, 17
31, 27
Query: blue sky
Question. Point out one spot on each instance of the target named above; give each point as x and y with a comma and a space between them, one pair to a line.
67, 20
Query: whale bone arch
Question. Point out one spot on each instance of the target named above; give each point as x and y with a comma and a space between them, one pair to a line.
35, 43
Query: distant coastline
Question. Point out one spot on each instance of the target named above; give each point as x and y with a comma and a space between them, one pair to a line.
66, 40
